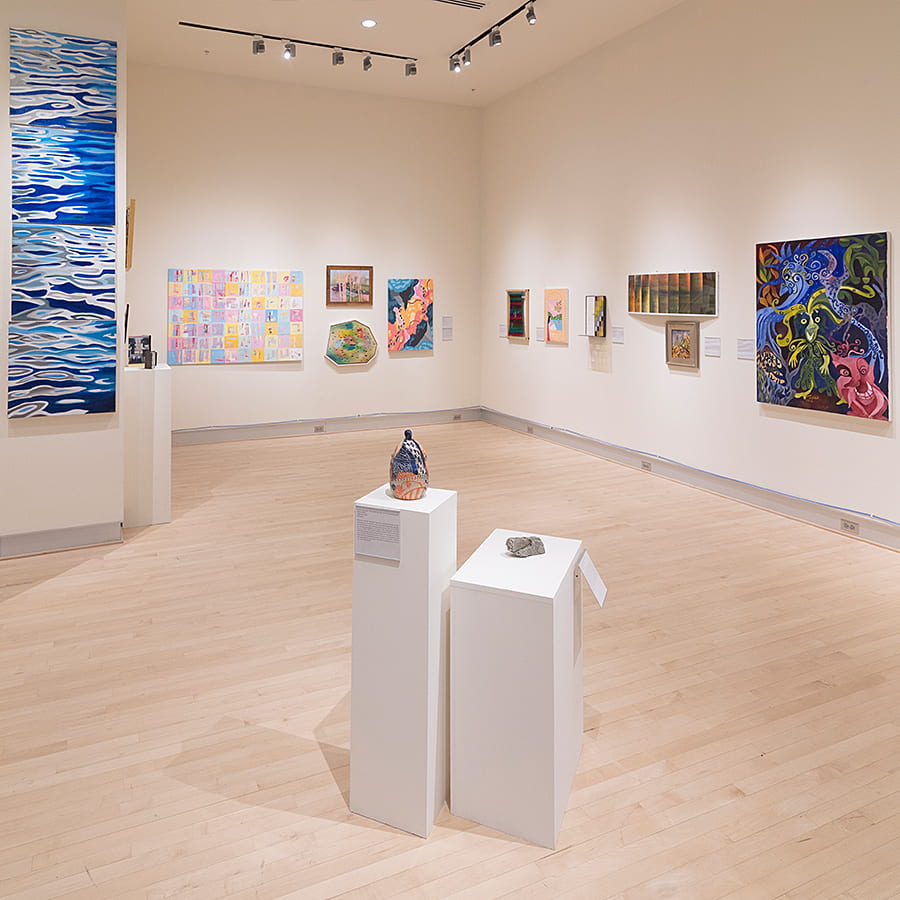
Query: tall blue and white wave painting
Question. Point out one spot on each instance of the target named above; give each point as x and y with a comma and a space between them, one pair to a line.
62, 80
63, 176
67, 267
61, 366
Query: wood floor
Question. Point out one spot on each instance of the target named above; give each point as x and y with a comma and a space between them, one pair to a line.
174, 711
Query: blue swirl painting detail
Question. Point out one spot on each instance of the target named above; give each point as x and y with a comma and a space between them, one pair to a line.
61, 366
63, 176
65, 267
62, 80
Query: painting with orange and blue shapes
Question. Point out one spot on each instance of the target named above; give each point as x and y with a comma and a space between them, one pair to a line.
410, 313
822, 324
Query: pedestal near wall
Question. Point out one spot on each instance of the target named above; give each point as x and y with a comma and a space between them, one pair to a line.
399, 712
516, 690
146, 409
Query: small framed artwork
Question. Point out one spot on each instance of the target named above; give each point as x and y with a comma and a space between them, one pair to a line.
595, 315
349, 284
517, 315
683, 344
137, 344
556, 315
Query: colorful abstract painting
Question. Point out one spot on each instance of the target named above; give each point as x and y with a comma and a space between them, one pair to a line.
595, 315
517, 315
235, 316
61, 80
61, 365
821, 324
556, 315
349, 284
683, 293
62, 332
410, 302
351, 344
683, 344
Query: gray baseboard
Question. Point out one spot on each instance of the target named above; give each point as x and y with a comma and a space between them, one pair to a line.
870, 528
295, 428
31, 542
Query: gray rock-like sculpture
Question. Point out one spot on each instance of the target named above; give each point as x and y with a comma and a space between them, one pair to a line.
525, 546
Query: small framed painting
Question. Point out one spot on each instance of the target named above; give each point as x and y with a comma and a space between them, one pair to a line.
595, 315
556, 315
349, 284
682, 344
137, 344
517, 315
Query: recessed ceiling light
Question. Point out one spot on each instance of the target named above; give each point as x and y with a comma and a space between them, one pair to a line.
368, 23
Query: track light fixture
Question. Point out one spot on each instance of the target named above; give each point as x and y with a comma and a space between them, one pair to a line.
455, 65
289, 45
493, 35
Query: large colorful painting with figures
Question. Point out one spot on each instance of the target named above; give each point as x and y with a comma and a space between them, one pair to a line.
410, 314
821, 324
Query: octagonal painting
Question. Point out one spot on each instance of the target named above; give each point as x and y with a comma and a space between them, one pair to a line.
351, 344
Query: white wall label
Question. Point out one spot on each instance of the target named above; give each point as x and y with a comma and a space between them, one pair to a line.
501, 330
712, 346
592, 577
746, 348
618, 334
376, 532
539, 332
447, 328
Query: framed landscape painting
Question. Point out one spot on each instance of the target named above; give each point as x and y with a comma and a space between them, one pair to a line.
683, 344
349, 284
556, 315
517, 315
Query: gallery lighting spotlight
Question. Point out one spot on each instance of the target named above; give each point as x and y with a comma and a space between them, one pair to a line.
495, 39
290, 50
411, 68
467, 56
367, 63
530, 17
259, 45
455, 64
337, 57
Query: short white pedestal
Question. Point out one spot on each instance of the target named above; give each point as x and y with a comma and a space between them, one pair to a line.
146, 408
516, 695
399, 712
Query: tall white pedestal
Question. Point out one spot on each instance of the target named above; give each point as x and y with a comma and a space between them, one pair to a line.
147, 426
517, 719
399, 713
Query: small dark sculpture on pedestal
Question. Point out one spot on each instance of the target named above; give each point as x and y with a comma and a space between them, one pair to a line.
409, 471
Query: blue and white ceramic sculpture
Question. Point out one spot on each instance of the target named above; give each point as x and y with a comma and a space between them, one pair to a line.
409, 471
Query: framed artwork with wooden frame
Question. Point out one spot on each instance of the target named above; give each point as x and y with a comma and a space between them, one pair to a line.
683, 344
517, 316
348, 285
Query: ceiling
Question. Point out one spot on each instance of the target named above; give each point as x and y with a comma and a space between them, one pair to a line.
429, 30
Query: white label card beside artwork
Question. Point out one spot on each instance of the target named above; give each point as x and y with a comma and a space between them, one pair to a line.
376, 532
501, 330
746, 348
618, 334
592, 577
538, 332
712, 346
447, 328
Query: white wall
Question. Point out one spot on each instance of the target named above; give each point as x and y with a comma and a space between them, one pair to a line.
678, 147
233, 173
57, 471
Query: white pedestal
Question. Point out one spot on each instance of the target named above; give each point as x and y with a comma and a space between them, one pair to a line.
399, 713
516, 695
147, 426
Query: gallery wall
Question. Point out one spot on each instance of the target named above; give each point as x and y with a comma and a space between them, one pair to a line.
59, 472
234, 173
677, 148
